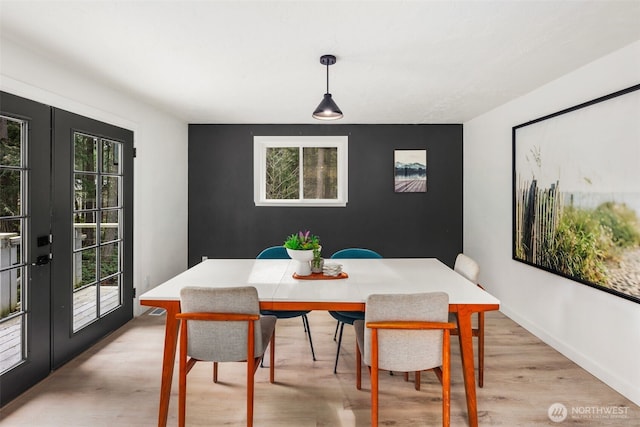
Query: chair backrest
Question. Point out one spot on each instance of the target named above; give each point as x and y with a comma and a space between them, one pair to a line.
221, 341
274, 252
356, 253
467, 267
406, 350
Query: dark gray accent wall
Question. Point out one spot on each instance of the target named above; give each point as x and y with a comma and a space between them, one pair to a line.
225, 223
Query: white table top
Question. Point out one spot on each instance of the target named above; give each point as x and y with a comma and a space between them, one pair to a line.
274, 280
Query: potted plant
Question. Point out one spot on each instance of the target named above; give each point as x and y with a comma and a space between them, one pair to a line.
302, 248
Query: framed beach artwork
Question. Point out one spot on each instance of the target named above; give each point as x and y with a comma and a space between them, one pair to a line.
576, 193
410, 171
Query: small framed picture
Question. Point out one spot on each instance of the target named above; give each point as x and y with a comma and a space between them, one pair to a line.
410, 171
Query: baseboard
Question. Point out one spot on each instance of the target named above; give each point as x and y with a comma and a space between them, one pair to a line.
621, 385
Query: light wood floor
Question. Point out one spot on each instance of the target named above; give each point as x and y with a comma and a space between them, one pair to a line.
117, 383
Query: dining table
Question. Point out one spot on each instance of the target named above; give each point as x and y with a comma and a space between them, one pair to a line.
280, 289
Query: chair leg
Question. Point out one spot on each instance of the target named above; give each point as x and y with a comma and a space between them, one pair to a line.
182, 380
250, 392
335, 367
272, 355
251, 372
335, 334
481, 349
215, 372
374, 378
271, 351
307, 329
417, 380
374, 396
446, 380
262, 360
358, 367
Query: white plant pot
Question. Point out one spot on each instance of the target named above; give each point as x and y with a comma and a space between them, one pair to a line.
302, 258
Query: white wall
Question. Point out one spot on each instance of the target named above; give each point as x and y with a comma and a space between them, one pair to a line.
160, 168
597, 330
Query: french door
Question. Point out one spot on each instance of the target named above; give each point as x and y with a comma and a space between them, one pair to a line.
92, 198
66, 229
25, 211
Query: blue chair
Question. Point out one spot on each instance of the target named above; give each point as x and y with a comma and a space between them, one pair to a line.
280, 252
348, 316
356, 253
274, 252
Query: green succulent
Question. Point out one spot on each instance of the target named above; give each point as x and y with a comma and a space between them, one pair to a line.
302, 241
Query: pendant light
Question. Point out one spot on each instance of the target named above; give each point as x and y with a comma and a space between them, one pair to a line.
327, 109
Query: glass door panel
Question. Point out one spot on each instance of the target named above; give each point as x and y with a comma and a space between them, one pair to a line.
13, 184
97, 221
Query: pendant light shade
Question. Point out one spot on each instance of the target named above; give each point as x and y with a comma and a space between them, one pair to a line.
327, 109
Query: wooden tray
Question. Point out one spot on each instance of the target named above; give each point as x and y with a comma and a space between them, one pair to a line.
320, 276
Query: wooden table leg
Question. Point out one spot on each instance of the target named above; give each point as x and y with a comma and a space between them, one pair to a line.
468, 373
168, 359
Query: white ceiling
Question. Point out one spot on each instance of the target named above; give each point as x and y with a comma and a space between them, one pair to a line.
258, 61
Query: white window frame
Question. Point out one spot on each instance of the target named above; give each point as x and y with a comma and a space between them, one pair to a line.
260, 145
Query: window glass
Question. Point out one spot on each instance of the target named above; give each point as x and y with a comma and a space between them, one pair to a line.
10, 189
84, 268
11, 147
110, 225
84, 229
85, 191
110, 191
110, 156
320, 172
283, 173
109, 259
85, 153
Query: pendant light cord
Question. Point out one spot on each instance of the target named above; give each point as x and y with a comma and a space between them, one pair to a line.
327, 77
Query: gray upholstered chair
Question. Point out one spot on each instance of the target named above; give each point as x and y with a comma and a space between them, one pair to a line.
221, 325
470, 269
405, 333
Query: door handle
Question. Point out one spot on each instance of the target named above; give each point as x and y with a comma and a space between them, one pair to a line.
41, 260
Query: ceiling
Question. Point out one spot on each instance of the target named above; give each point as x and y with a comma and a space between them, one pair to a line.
258, 61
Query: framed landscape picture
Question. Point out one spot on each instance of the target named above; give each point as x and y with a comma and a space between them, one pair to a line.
410, 171
576, 193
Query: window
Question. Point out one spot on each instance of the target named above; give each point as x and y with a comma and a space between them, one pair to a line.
300, 170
